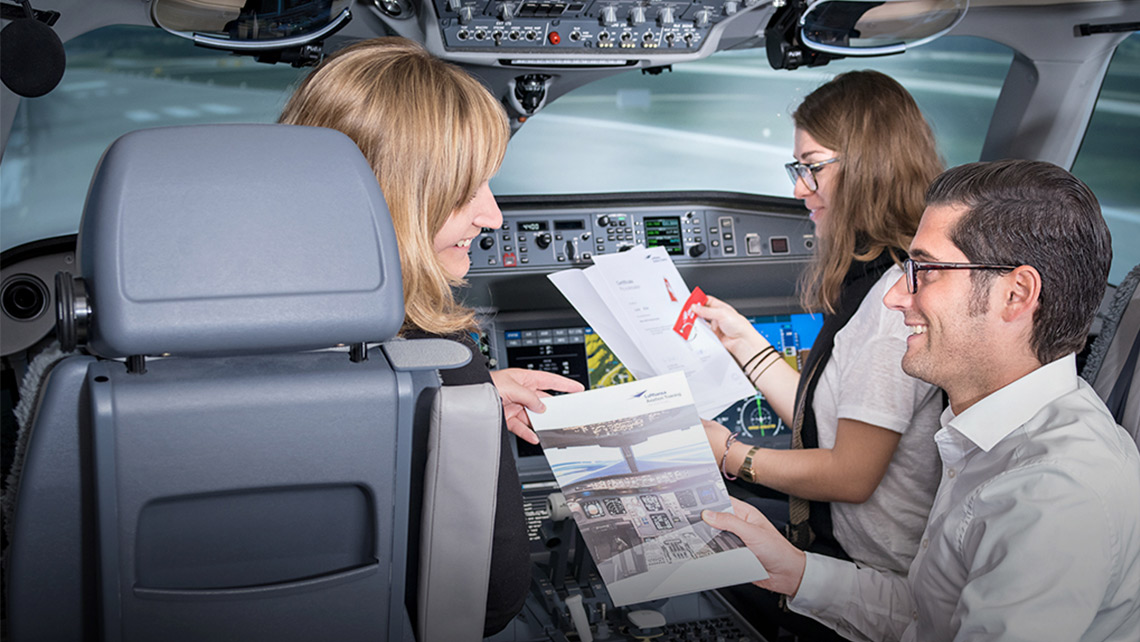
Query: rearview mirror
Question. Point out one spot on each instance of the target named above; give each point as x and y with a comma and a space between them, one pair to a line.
869, 28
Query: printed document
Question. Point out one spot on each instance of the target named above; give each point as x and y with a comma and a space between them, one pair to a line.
632, 300
636, 470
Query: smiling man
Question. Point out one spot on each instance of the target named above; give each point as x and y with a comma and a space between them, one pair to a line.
1035, 530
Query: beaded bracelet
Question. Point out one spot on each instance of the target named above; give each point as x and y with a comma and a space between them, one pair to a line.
724, 458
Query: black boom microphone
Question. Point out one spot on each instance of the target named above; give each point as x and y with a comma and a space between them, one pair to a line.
32, 58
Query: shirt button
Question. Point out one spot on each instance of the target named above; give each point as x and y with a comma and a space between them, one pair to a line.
925, 542
951, 473
914, 615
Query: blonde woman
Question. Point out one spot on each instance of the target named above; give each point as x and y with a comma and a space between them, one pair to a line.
435, 136
864, 156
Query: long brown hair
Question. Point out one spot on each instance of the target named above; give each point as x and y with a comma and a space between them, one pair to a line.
887, 159
433, 136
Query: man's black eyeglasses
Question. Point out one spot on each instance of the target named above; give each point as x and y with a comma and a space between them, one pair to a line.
913, 267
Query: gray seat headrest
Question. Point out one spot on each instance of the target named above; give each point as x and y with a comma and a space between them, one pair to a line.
233, 239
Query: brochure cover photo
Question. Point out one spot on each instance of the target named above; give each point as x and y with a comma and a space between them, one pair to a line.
636, 470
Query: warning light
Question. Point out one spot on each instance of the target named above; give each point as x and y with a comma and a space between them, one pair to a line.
554, 38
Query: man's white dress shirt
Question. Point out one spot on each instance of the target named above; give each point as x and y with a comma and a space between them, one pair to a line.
1034, 534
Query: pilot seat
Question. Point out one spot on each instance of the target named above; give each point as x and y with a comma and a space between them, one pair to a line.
240, 454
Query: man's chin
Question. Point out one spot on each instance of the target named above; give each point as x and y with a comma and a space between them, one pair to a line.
914, 366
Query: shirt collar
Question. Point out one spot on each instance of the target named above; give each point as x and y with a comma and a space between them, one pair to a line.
1001, 412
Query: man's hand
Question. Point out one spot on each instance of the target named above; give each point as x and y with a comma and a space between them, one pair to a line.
522, 390
783, 561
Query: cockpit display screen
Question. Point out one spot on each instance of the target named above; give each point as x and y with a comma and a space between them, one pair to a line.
579, 353
664, 231
532, 226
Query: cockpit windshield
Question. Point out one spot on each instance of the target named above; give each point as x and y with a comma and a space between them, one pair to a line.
721, 123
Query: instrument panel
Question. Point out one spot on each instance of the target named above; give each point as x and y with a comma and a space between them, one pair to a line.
692, 234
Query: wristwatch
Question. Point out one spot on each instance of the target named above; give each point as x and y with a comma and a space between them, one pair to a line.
746, 467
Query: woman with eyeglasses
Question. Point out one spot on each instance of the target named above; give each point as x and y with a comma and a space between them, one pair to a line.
863, 468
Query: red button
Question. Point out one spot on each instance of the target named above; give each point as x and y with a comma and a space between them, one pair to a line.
554, 38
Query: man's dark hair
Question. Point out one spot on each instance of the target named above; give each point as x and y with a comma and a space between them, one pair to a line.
1033, 213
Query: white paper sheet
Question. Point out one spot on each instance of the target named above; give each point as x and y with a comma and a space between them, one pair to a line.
636, 470
632, 299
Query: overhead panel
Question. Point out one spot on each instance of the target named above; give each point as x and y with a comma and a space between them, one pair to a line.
593, 26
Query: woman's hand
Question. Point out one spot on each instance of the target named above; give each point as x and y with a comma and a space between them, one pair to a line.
734, 331
717, 436
783, 561
522, 390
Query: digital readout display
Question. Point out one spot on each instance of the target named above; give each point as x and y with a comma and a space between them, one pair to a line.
532, 226
569, 225
664, 231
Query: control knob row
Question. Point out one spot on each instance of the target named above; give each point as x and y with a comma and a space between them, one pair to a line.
665, 15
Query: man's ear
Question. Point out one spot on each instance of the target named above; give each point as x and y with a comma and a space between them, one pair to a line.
1022, 293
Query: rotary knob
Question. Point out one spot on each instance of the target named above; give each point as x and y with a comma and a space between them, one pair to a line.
665, 16
697, 250
603, 220
465, 15
542, 240
701, 19
454, 4
609, 15
731, 7
506, 13
486, 242
636, 15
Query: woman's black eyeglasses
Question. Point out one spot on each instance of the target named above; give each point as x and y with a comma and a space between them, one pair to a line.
913, 267
806, 171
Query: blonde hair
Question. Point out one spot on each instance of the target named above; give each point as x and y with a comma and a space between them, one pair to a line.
887, 158
432, 134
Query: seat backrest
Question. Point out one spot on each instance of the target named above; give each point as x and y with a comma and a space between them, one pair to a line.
234, 478
1111, 366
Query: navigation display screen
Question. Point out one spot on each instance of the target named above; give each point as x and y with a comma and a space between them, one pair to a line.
577, 352
664, 231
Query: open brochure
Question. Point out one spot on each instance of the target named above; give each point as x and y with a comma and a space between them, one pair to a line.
636, 470
632, 300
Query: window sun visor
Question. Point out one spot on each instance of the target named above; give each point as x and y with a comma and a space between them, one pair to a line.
249, 26
876, 28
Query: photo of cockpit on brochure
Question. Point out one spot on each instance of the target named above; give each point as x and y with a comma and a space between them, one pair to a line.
637, 471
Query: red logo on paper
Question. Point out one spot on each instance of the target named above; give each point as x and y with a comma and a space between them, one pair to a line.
684, 324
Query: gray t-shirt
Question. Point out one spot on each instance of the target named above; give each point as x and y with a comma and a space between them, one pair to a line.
864, 381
